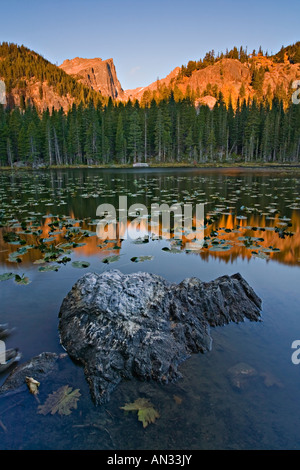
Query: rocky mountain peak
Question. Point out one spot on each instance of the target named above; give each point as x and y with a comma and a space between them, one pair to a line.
98, 74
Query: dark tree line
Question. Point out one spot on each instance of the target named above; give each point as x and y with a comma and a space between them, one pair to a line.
169, 131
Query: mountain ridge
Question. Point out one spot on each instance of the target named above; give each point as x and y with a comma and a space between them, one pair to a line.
262, 77
31, 79
235, 74
96, 73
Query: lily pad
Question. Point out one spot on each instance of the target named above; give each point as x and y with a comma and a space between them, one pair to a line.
22, 280
14, 258
39, 261
137, 259
220, 248
171, 250
80, 264
6, 276
49, 267
111, 259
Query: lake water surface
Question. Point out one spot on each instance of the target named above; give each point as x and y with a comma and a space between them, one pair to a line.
253, 227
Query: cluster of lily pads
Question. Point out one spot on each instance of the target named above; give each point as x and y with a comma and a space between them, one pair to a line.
50, 250
27, 224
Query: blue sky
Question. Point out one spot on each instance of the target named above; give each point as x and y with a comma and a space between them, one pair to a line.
147, 39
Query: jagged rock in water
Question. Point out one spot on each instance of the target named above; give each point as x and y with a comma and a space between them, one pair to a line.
5, 330
139, 325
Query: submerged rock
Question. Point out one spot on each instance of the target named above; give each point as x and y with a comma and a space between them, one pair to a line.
39, 367
270, 380
139, 325
241, 375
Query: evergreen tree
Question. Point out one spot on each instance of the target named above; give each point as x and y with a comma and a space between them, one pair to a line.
120, 141
135, 137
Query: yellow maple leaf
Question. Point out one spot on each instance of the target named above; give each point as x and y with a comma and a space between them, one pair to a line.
146, 412
61, 401
32, 385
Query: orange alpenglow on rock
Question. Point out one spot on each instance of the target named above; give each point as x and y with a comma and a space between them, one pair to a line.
98, 74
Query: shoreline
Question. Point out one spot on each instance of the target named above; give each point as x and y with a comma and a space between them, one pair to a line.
240, 166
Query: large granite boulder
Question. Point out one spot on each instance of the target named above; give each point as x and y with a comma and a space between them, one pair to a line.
139, 325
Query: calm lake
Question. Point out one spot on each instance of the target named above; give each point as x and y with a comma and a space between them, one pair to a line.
48, 222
